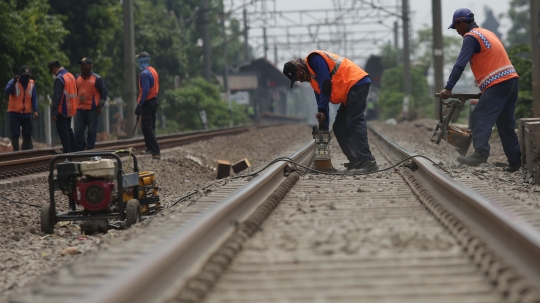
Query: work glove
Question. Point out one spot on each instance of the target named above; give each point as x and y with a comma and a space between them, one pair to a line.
15, 79
138, 110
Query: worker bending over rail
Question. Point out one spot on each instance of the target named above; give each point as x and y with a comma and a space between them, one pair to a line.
338, 80
498, 81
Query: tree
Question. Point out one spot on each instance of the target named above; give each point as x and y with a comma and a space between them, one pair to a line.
520, 55
520, 31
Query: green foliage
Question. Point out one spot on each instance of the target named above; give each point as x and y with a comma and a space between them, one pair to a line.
424, 46
391, 98
183, 106
519, 14
520, 55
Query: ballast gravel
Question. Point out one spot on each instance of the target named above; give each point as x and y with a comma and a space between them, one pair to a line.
27, 255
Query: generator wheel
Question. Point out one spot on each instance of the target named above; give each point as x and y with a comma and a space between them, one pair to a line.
47, 221
133, 215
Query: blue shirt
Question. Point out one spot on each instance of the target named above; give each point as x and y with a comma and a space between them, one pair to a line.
58, 94
146, 80
470, 47
10, 90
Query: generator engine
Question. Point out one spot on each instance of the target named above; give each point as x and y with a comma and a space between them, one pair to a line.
89, 183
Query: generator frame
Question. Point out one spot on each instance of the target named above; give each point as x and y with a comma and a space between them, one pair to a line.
78, 215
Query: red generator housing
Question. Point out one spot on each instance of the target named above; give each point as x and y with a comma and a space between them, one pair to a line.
94, 195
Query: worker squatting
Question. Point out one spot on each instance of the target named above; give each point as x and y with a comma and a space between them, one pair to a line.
83, 97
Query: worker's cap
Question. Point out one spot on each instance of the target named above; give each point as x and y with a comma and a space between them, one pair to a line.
53, 63
85, 60
142, 55
25, 70
289, 70
461, 14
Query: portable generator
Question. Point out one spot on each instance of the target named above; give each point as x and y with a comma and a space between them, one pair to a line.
100, 188
459, 137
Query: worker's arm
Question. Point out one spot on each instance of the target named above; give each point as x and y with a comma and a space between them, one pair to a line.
34, 99
103, 92
10, 88
468, 49
144, 80
57, 95
321, 69
325, 111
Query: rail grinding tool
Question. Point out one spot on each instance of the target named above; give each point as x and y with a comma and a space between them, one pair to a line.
322, 160
459, 137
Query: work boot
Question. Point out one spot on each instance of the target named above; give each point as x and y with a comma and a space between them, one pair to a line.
365, 167
156, 157
511, 169
15, 143
472, 160
27, 143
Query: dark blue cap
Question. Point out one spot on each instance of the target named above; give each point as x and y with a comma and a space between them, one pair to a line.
462, 14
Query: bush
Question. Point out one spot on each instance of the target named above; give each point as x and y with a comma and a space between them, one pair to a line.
182, 106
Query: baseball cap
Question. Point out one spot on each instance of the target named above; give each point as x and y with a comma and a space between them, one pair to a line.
25, 70
289, 70
461, 14
142, 55
53, 63
85, 61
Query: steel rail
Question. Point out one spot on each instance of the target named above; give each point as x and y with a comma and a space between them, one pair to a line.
514, 240
155, 276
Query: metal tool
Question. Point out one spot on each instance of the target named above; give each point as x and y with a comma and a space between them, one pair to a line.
135, 127
459, 137
17, 90
322, 160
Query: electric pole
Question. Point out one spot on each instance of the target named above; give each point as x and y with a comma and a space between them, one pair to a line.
275, 55
130, 93
206, 38
225, 72
246, 45
438, 55
265, 43
396, 41
535, 53
406, 59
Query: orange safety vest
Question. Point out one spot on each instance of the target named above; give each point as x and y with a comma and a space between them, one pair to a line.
491, 65
343, 74
154, 89
88, 94
21, 102
69, 98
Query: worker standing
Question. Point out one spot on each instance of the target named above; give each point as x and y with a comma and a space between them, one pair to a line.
338, 80
147, 103
92, 94
21, 107
498, 81
64, 104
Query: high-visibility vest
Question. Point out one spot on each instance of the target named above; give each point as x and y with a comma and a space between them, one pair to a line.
89, 95
21, 101
154, 89
343, 74
69, 99
491, 65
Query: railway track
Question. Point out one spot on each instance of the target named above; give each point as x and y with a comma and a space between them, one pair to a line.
36, 161
411, 234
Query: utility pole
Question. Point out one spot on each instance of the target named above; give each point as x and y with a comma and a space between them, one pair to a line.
130, 93
206, 38
535, 52
438, 55
246, 45
406, 59
396, 40
225, 72
275, 55
265, 43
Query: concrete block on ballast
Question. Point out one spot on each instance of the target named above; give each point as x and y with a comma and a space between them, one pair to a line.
5, 185
241, 165
532, 149
521, 137
223, 169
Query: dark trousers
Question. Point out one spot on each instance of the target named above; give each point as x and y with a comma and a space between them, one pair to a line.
65, 132
496, 106
16, 123
83, 120
350, 127
148, 125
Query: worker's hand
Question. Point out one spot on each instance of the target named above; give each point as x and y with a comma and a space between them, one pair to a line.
98, 110
138, 110
321, 117
15, 79
36, 115
445, 94
53, 118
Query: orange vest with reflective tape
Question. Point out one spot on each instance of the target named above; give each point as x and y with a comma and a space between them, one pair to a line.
69, 98
88, 93
154, 89
21, 102
491, 65
343, 74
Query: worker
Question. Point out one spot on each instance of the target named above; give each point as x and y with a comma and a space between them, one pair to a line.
147, 104
498, 81
64, 105
21, 107
338, 80
92, 94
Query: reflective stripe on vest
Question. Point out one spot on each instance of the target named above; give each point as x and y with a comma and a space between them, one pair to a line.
88, 94
491, 65
21, 103
69, 98
153, 91
343, 74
